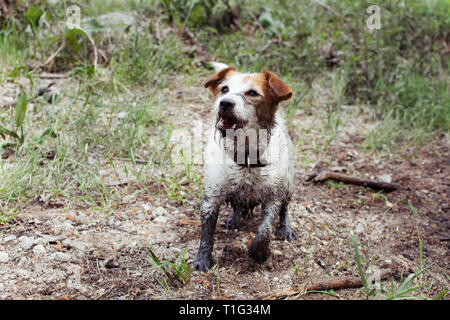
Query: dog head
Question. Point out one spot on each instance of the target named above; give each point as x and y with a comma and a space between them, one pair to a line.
245, 100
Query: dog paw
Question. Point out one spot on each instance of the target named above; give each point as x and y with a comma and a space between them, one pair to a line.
259, 251
201, 263
286, 233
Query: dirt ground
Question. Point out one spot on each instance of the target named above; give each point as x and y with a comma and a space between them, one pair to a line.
65, 252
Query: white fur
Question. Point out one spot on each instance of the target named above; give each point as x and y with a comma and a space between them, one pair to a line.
238, 85
221, 173
218, 66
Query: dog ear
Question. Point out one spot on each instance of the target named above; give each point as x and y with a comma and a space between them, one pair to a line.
214, 80
280, 90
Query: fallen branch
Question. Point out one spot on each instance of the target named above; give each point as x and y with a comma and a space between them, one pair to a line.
322, 284
326, 175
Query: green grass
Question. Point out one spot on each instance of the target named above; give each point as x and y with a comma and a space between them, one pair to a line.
408, 289
397, 72
173, 273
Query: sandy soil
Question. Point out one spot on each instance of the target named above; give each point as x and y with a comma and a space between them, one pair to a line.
63, 252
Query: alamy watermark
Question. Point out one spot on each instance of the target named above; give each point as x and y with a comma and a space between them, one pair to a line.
373, 22
73, 17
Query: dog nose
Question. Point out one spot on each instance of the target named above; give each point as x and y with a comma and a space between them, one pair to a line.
226, 105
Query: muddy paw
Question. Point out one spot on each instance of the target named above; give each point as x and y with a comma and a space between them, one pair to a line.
201, 263
259, 251
286, 233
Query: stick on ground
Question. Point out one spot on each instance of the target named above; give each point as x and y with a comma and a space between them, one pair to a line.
327, 175
322, 284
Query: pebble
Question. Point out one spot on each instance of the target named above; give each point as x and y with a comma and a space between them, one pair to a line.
277, 252
9, 238
23, 261
160, 219
26, 243
60, 257
159, 211
63, 228
140, 216
82, 220
128, 198
146, 207
77, 245
39, 249
4, 257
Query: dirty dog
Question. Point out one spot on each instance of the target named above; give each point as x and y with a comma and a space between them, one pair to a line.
248, 159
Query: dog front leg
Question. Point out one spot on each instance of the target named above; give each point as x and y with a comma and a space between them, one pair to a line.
259, 248
285, 232
209, 214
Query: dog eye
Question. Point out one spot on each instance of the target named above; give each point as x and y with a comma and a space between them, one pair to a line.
251, 93
225, 89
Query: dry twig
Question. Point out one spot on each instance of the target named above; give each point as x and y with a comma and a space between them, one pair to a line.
322, 284
326, 175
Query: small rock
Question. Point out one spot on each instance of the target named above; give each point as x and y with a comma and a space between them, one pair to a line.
39, 249
159, 211
60, 257
63, 228
82, 220
320, 263
385, 178
146, 207
26, 243
9, 238
77, 245
128, 198
23, 261
48, 238
160, 219
321, 235
140, 216
4, 257
110, 264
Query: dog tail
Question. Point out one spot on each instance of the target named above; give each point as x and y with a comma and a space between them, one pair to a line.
217, 66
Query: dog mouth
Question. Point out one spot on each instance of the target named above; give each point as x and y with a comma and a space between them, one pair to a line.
230, 122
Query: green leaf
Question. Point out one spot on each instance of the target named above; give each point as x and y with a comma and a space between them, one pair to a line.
21, 109
358, 262
72, 38
440, 295
265, 19
4, 131
6, 145
48, 132
33, 15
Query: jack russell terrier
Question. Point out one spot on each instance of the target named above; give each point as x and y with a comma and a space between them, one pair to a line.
249, 159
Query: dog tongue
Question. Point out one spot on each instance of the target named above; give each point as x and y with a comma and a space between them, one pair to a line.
227, 123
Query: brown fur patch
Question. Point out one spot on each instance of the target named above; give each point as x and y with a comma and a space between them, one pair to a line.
274, 91
214, 80
271, 89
